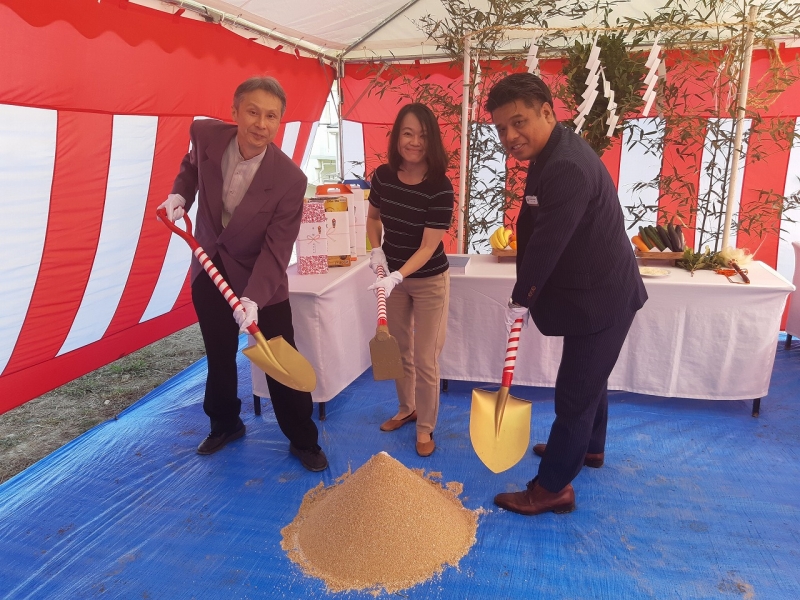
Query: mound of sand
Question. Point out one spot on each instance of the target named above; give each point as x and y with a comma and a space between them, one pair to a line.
383, 526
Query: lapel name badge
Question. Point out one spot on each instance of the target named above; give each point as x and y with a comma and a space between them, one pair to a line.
532, 200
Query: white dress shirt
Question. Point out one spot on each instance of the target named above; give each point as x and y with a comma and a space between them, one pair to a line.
237, 174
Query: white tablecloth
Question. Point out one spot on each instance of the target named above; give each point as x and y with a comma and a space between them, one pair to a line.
334, 318
696, 337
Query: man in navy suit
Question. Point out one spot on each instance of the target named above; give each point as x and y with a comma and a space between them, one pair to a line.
250, 202
576, 275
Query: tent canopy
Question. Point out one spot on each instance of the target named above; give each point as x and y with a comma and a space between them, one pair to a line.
372, 29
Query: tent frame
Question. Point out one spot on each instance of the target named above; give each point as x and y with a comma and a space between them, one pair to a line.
340, 72
208, 12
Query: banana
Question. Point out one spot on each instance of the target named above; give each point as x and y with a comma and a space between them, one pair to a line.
495, 241
500, 238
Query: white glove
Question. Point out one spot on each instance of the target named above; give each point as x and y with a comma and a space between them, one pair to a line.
387, 283
514, 312
378, 258
174, 206
246, 314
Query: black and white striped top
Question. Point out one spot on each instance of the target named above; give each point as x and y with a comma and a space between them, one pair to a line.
406, 210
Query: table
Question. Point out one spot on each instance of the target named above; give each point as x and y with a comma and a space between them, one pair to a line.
334, 318
696, 337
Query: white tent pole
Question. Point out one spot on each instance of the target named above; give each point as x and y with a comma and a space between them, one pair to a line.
340, 114
744, 82
352, 46
462, 171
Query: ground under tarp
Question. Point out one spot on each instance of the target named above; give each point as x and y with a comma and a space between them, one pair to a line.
697, 500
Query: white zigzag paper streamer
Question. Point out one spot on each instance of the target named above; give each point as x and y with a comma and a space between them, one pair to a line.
654, 67
590, 93
613, 117
533, 61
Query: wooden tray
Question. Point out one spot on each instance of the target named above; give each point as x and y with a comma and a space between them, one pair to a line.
669, 257
504, 255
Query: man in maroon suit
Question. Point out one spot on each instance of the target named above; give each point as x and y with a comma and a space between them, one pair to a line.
250, 203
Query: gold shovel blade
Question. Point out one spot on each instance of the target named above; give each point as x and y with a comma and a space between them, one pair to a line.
278, 359
385, 355
499, 428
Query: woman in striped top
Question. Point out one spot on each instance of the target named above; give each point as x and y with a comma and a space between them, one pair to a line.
411, 207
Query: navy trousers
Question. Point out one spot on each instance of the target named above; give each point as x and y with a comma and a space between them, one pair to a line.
581, 403
293, 409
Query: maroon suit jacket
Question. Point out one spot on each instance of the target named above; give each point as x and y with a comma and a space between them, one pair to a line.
257, 244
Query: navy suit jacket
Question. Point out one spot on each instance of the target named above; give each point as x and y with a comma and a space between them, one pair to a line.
256, 246
576, 270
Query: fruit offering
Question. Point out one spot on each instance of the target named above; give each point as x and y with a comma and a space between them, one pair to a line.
502, 238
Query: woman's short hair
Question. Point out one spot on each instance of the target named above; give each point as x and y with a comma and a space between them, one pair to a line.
265, 84
435, 154
526, 87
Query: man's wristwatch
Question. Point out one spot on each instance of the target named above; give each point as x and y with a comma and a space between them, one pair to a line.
512, 304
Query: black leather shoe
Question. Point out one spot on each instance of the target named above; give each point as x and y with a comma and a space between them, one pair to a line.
313, 459
217, 439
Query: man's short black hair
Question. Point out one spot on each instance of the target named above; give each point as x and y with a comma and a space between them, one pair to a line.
519, 86
265, 84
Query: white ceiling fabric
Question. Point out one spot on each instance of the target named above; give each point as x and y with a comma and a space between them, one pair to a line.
331, 26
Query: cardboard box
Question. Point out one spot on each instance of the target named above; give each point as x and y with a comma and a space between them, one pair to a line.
312, 241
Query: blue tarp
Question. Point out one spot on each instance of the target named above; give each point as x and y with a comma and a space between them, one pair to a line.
697, 499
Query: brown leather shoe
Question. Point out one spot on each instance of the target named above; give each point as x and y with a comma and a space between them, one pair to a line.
216, 440
590, 460
536, 500
393, 424
426, 448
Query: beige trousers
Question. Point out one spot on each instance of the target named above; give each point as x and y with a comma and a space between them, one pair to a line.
417, 314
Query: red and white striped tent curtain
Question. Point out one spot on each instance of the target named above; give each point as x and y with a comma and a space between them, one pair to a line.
96, 100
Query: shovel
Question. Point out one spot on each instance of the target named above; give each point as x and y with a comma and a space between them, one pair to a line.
383, 348
499, 423
276, 357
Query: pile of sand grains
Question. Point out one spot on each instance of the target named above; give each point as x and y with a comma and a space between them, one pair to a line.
382, 527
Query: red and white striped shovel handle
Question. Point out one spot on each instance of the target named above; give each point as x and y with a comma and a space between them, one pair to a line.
511, 353
205, 261
381, 299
